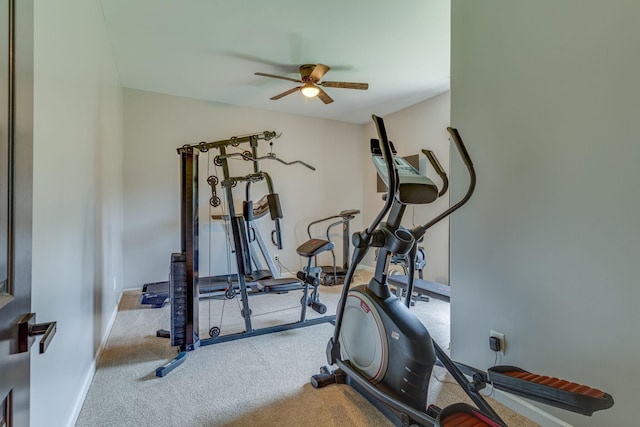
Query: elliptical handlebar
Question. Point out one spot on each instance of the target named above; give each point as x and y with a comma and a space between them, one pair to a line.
420, 230
392, 174
439, 170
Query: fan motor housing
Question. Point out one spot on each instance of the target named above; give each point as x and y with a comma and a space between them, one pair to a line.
306, 70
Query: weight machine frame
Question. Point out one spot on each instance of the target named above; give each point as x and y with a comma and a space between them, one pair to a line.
183, 283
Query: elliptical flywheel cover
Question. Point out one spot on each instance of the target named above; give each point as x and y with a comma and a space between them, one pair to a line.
362, 338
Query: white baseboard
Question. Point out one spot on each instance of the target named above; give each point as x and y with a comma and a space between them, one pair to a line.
92, 369
82, 395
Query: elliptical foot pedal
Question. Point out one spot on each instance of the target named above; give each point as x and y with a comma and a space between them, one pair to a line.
549, 390
463, 415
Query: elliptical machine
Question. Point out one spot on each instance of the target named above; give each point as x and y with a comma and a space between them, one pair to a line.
381, 348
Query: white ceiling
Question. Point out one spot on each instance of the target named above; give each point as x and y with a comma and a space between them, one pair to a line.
209, 49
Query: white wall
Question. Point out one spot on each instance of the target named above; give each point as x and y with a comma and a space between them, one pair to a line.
77, 210
546, 94
155, 125
421, 126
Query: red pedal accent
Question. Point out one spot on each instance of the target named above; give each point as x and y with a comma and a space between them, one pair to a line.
557, 383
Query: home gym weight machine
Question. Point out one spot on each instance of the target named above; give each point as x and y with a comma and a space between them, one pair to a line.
156, 294
384, 352
183, 281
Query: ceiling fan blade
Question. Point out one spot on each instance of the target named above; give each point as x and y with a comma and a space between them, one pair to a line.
324, 97
346, 85
319, 72
283, 94
278, 77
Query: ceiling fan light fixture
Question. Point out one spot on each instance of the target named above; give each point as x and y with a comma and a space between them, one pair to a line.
309, 90
310, 76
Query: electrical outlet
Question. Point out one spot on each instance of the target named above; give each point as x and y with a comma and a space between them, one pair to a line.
501, 338
276, 257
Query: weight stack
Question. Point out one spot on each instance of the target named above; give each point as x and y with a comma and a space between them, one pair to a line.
182, 333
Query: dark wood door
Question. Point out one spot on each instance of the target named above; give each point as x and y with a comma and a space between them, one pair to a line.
16, 136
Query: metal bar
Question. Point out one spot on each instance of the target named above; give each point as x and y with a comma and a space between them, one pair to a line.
254, 154
171, 365
410, 260
269, 156
237, 243
345, 244
305, 297
234, 140
253, 254
268, 330
450, 365
275, 272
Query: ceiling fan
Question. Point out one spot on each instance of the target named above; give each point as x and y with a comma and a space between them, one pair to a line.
310, 75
